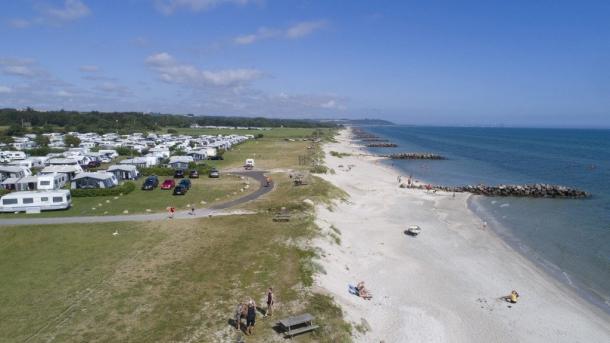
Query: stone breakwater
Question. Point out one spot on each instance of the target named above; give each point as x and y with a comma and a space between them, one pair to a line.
374, 140
382, 145
415, 156
532, 191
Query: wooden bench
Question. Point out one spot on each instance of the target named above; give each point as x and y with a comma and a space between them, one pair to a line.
296, 325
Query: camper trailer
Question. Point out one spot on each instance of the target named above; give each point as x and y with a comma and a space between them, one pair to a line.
36, 201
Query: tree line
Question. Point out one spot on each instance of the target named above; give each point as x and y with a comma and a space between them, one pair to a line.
30, 120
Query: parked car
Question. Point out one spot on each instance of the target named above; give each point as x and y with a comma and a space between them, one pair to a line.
214, 173
193, 174
180, 190
93, 164
179, 174
168, 184
185, 183
150, 183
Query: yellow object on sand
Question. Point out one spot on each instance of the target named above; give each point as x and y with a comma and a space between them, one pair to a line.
513, 297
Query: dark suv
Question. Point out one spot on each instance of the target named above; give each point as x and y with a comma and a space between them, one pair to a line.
150, 183
194, 174
179, 174
186, 183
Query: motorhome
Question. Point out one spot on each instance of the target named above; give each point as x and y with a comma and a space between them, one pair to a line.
36, 201
13, 155
249, 163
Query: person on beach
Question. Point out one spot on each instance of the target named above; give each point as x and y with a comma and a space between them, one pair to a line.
362, 291
250, 316
238, 311
512, 297
192, 211
270, 302
399, 179
171, 212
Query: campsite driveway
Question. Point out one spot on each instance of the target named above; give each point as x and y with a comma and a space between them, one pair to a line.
214, 210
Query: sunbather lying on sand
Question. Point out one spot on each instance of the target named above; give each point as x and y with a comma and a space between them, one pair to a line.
363, 292
512, 297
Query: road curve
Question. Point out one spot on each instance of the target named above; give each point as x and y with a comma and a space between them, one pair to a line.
214, 210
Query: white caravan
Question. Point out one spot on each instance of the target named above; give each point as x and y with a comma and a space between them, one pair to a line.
36, 201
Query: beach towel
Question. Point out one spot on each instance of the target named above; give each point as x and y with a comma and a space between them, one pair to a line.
353, 290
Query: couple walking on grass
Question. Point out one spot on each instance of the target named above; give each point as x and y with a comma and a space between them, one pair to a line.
249, 311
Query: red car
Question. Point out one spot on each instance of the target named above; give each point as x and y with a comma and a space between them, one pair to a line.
168, 184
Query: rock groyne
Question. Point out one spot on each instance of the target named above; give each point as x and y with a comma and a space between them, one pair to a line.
382, 145
415, 156
531, 191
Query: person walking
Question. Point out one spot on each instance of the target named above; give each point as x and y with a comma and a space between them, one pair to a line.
238, 310
171, 212
251, 316
270, 302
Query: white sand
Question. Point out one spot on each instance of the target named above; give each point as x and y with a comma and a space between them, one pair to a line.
444, 285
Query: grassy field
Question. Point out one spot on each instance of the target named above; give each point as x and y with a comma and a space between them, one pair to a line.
170, 280
210, 191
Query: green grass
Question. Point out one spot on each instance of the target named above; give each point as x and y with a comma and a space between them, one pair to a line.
225, 188
165, 281
171, 280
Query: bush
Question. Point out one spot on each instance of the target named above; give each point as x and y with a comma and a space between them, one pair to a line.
125, 188
124, 151
319, 169
172, 131
42, 151
339, 154
159, 171
260, 135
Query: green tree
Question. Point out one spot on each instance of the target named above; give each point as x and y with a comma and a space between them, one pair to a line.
15, 130
71, 141
6, 139
41, 140
172, 131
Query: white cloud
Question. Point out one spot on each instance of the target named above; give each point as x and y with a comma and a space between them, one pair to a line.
114, 88
5, 89
168, 7
19, 23
295, 31
72, 10
303, 29
20, 67
89, 68
171, 71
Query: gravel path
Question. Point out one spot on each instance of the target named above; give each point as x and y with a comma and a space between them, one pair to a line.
214, 210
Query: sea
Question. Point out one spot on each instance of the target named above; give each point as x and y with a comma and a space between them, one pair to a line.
568, 238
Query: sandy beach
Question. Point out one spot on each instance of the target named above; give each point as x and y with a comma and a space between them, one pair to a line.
443, 285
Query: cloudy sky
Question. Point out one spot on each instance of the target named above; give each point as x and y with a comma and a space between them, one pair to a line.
522, 63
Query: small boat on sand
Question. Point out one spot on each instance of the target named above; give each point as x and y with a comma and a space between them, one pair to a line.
413, 230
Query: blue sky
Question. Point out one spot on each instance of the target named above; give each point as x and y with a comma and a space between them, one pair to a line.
515, 63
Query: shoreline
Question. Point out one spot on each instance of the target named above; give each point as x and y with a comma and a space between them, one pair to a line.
547, 268
435, 286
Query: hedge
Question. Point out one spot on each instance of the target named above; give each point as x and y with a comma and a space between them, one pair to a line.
159, 171
165, 171
125, 188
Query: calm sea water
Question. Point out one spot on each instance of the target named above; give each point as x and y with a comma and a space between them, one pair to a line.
569, 238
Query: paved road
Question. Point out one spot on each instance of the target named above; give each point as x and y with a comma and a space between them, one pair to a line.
214, 210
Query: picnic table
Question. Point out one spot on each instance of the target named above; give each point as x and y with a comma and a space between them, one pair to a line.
282, 216
297, 324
